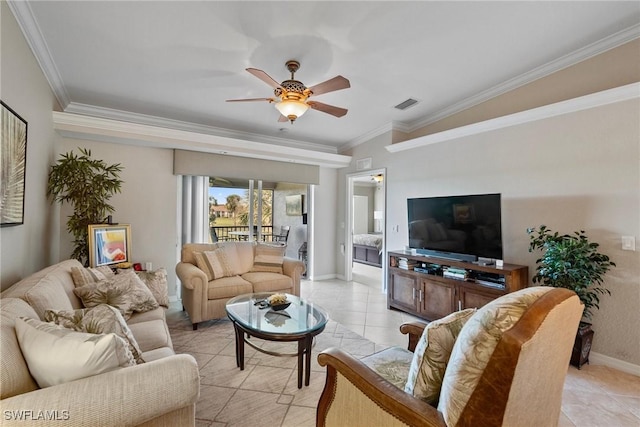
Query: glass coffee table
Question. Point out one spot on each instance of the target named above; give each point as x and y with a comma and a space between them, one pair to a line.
299, 322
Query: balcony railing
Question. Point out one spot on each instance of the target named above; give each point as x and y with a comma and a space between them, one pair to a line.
240, 232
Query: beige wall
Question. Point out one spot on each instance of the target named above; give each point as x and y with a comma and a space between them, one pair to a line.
148, 202
324, 222
571, 172
29, 247
614, 68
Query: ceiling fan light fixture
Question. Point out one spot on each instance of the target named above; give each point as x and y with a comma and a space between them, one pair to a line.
291, 108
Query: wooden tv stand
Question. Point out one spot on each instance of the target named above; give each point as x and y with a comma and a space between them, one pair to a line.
444, 286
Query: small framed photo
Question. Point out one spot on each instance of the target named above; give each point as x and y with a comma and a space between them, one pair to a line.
109, 244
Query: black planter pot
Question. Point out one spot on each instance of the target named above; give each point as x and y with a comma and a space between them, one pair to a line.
582, 345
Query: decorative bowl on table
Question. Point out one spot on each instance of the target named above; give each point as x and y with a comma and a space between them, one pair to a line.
278, 302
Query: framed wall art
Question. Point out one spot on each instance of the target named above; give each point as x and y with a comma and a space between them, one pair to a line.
109, 244
293, 205
13, 166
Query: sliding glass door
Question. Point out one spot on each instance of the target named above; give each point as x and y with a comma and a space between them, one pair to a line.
240, 212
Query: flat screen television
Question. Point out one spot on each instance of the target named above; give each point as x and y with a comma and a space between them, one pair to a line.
464, 227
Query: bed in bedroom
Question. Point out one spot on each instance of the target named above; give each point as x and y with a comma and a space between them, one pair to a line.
367, 249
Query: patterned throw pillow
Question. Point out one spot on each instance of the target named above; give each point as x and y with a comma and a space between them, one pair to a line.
84, 276
57, 355
269, 258
432, 354
475, 346
156, 281
124, 291
221, 262
101, 319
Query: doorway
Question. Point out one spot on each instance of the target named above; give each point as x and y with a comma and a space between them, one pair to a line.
365, 239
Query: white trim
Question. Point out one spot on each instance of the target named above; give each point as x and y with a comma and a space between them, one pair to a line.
119, 132
145, 119
549, 68
366, 137
620, 365
610, 96
24, 16
348, 229
323, 277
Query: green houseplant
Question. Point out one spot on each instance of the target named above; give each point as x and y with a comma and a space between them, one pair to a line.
571, 261
87, 184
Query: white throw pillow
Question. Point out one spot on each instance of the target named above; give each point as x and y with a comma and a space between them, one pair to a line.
57, 355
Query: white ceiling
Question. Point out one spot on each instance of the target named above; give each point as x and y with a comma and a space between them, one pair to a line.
181, 60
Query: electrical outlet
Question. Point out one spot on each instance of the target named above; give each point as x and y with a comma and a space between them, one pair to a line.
628, 243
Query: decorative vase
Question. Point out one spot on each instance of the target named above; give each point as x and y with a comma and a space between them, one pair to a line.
582, 345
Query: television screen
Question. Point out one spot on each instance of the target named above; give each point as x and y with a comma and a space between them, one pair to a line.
468, 225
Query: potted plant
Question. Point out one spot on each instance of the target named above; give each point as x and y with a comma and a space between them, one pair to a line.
571, 261
87, 184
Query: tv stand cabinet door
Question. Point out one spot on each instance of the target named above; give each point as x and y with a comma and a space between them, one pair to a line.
438, 299
403, 291
476, 298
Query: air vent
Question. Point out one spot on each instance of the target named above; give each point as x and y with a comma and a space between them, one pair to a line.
406, 104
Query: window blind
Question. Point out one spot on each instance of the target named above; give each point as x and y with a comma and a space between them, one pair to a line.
235, 167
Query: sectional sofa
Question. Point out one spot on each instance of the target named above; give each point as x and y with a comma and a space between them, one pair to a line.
162, 391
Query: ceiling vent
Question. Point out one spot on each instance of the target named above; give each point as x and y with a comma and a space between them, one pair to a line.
406, 104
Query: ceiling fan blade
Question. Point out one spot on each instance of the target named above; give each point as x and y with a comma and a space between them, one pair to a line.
251, 100
264, 77
329, 109
282, 118
336, 83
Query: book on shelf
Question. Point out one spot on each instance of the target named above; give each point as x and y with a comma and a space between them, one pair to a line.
455, 273
407, 264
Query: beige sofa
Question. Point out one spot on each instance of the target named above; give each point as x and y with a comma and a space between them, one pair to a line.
205, 300
161, 392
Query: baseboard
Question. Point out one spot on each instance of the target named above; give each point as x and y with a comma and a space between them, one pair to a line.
620, 365
324, 277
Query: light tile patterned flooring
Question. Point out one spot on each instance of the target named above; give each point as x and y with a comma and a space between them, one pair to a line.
593, 396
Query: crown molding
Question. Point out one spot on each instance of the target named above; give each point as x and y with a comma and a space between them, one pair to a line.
127, 116
619, 94
120, 132
24, 16
366, 137
561, 63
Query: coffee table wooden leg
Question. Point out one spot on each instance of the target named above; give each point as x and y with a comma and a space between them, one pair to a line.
301, 349
239, 348
307, 373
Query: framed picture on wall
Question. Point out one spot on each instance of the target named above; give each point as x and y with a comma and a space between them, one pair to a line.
109, 244
13, 158
293, 205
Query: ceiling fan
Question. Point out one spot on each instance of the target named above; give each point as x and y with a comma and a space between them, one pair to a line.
292, 95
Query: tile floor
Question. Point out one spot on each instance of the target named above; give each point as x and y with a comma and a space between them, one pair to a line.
593, 396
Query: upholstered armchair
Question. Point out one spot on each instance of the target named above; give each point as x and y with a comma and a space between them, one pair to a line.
505, 366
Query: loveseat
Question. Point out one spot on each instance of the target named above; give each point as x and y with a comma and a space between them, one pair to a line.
162, 391
211, 274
